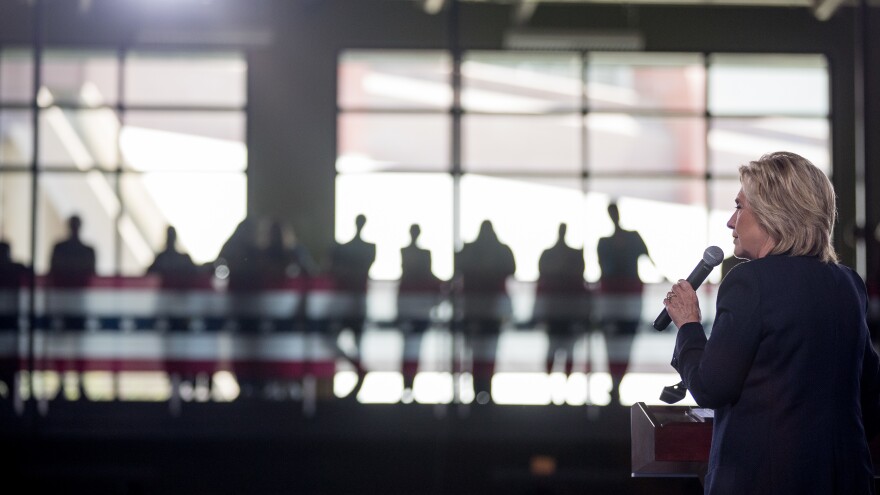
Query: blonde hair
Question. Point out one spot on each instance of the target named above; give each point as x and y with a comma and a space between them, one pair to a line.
794, 202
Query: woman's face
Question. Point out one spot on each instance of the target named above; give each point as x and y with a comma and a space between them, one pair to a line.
750, 240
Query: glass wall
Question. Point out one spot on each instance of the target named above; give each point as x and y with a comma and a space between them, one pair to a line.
539, 137
132, 142
532, 140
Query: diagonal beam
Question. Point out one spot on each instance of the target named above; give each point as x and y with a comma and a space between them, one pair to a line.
523, 11
824, 9
433, 6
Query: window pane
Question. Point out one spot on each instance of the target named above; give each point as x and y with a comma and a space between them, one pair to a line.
520, 82
670, 215
78, 138
620, 143
618, 81
395, 80
92, 196
186, 79
688, 191
369, 142
734, 142
527, 143
392, 202
204, 208
525, 213
191, 141
79, 78
768, 84
16, 137
15, 218
16, 75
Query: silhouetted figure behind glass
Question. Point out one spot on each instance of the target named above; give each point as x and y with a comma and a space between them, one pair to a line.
282, 256
239, 256
351, 261
418, 292
350, 267
239, 261
178, 273
562, 301
483, 267
176, 268
71, 266
621, 290
13, 277
12, 274
281, 263
72, 263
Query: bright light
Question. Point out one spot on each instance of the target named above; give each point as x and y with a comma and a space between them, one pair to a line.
344, 382
646, 387
408, 88
521, 388
381, 388
433, 388
205, 208
225, 387
149, 150
150, 386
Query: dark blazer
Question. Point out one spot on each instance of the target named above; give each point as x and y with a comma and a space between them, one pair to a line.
793, 378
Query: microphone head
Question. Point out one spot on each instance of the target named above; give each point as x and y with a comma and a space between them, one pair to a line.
713, 256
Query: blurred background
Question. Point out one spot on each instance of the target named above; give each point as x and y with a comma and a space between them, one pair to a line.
244, 304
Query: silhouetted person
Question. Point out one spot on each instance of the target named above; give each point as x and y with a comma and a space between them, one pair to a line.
483, 267
280, 264
176, 268
562, 301
12, 279
177, 273
73, 262
72, 265
350, 264
239, 256
282, 257
12, 274
351, 261
621, 288
418, 292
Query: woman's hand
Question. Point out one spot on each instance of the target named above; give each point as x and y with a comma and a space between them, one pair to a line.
682, 304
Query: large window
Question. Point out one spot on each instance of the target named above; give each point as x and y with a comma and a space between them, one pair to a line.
541, 138
530, 140
132, 142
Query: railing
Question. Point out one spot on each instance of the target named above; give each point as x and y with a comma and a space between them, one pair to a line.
289, 330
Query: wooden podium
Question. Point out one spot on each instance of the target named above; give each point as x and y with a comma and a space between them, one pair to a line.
669, 441
673, 441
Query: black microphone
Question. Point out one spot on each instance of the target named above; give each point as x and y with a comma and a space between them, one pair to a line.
712, 257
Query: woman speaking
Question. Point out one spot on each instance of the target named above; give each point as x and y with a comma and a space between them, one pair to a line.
789, 367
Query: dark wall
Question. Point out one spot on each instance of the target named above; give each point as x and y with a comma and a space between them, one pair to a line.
871, 106
293, 46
